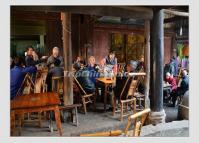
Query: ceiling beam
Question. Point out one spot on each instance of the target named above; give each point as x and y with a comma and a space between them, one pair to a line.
177, 13
125, 12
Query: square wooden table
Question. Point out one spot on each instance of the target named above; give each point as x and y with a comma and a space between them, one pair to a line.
36, 102
106, 82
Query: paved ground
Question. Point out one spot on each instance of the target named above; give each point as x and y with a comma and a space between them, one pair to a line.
92, 122
170, 129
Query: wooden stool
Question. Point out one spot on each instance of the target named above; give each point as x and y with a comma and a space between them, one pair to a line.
72, 108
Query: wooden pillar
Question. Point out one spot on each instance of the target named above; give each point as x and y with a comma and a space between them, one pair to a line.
67, 53
41, 42
147, 62
157, 114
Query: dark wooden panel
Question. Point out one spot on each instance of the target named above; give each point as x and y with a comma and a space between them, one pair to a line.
101, 44
53, 36
167, 49
122, 11
32, 15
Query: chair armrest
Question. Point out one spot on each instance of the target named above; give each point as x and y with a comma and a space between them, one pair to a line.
138, 114
128, 100
88, 95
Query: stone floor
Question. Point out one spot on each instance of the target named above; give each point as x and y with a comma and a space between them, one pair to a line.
170, 129
92, 122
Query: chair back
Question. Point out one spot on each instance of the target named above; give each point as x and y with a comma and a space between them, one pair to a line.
126, 87
79, 86
40, 82
131, 86
139, 119
27, 86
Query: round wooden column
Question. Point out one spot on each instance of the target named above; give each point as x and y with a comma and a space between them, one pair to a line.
67, 52
158, 114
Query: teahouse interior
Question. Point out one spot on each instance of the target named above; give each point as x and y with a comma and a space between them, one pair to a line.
133, 32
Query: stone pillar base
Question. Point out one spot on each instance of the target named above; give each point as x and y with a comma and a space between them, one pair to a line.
157, 117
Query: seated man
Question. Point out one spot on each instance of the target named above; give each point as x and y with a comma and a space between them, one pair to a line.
17, 75
172, 81
184, 86
83, 78
31, 58
55, 71
78, 64
55, 55
111, 61
93, 69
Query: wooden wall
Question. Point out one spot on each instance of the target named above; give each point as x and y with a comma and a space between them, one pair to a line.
100, 44
102, 37
54, 36
167, 49
88, 38
53, 29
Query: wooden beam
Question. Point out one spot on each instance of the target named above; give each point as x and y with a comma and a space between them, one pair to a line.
178, 13
67, 52
147, 62
125, 12
32, 15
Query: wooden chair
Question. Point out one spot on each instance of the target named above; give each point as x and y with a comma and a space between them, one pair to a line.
58, 86
86, 98
40, 82
40, 87
140, 98
126, 99
27, 86
139, 120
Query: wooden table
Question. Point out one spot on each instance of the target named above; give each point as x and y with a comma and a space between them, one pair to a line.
106, 82
36, 102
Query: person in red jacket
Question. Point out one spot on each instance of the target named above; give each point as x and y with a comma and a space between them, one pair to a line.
169, 79
172, 81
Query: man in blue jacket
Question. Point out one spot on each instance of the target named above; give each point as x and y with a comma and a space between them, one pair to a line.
17, 75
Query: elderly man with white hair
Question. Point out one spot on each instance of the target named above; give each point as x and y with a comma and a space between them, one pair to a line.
184, 86
55, 55
55, 63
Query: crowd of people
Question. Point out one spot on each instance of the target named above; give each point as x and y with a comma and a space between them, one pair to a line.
178, 78
107, 67
20, 66
87, 72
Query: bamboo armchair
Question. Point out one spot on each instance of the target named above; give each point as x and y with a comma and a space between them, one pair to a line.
139, 119
126, 100
27, 86
40, 82
86, 98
